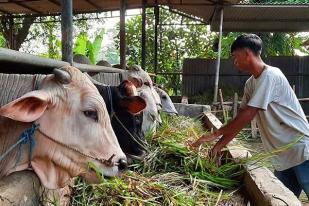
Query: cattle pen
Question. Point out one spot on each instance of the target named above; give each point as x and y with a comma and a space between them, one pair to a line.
259, 185
256, 181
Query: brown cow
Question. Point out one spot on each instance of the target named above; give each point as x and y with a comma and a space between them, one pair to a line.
74, 129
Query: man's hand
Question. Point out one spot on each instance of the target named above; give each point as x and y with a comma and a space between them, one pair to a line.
205, 138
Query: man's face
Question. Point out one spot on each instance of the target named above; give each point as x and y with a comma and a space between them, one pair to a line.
240, 59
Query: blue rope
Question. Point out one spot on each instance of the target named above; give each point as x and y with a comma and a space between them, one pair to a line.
27, 136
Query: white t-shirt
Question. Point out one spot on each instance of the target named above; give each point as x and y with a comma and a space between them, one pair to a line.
281, 119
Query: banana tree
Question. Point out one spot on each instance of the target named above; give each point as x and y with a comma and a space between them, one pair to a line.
85, 47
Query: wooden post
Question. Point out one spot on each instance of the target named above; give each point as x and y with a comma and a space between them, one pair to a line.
254, 128
123, 6
235, 105
67, 30
222, 106
157, 19
184, 100
218, 58
144, 35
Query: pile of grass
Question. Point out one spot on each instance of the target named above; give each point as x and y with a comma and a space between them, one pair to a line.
171, 173
169, 151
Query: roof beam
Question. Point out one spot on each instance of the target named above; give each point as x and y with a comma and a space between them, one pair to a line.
55, 2
259, 6
264, 20
27, 7
4, 11
92, 4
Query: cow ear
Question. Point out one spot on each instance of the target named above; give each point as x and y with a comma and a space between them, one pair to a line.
134, 104
27, 108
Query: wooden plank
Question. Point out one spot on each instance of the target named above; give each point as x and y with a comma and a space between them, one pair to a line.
254, 128
222, 106
235, 105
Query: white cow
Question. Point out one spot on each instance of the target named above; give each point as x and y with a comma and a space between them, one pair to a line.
167, 104
74, 130
144, 84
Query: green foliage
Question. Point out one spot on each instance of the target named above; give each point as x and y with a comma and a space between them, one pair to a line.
2, 41
54, 44
80, 46
181, 37
176, 42
94, 48
85, 47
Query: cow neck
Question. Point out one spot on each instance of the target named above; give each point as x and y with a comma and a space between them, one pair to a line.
112, 114
131, 135
26, 136
108, 162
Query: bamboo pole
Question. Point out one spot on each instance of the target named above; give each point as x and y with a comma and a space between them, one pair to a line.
222, 106
235, 105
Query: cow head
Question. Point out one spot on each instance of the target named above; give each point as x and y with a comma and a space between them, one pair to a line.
124, 107
69, 110
142, 80
167, 104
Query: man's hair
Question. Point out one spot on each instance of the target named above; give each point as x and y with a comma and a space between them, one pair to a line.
249, 41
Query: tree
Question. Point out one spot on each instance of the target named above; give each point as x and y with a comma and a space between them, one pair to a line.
15, 30
178, 39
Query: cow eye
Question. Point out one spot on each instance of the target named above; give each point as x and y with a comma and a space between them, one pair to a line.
147, 84
164, 97
91, 114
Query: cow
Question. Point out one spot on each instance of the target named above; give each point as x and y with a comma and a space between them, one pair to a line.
142, 80
60, 130
166, 102
124, 108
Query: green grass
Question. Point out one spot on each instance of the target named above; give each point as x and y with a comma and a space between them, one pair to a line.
171, 173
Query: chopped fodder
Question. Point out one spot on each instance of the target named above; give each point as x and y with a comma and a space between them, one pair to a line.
171, 173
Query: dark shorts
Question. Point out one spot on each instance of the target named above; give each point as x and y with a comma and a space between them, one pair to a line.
296, 178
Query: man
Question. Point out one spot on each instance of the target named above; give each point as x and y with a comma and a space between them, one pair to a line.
281, 120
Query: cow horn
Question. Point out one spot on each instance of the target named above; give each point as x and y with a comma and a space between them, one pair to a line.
62, 76
135, 68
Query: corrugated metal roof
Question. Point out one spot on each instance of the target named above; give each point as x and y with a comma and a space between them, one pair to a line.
274, 18
237, 17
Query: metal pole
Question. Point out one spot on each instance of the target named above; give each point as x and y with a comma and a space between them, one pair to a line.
123, 45
218, 59
67, 30
157, 19
144, 35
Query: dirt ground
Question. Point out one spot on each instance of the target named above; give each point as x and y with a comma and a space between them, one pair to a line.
255, 146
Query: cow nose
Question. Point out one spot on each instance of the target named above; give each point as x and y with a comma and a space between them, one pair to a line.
122, 164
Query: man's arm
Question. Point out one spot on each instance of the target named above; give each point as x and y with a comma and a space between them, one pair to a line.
229, 131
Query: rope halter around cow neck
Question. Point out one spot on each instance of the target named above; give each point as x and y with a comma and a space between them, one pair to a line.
29, 136
26, 136
107, 162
